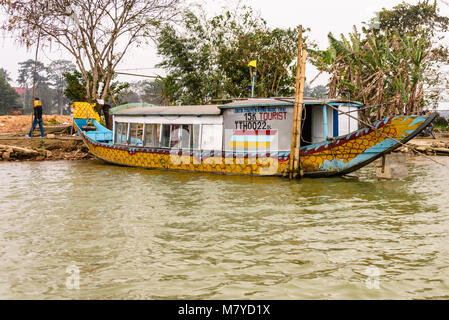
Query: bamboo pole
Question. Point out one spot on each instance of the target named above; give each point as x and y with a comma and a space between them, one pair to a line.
299, 101
295, 107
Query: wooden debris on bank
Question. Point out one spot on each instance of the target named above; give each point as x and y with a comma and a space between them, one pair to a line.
42, 149
435, 148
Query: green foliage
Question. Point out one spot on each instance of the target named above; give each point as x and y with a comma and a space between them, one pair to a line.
379, 70
412, 19
422, 18
8, 96
441, 122
390, 63
76, 87
209, 59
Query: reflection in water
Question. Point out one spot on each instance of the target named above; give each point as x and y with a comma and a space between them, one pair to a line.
148, 234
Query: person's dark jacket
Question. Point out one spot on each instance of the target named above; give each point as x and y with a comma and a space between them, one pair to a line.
38, 112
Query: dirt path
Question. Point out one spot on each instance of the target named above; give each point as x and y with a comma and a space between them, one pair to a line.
18, 124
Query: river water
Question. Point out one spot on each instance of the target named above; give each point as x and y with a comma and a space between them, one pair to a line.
128, 233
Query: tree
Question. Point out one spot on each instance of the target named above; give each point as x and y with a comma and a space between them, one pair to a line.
383, 71
8, 96
57, 69
43, 90
318, 92
144, 92
422, 18
412, 19
5, 75
209, 58
76, 87
96, 33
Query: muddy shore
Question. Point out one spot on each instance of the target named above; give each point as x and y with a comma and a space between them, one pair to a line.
16, 147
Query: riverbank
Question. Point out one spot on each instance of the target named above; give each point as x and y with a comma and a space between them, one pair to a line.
58, 147
58, 144
429, 146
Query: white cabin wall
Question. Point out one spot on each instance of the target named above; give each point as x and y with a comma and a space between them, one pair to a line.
318, 123
212, 137
353, 124
346, 124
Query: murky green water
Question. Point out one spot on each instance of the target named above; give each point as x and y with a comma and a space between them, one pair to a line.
146, 234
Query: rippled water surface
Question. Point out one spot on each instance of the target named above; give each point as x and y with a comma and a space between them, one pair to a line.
148, 234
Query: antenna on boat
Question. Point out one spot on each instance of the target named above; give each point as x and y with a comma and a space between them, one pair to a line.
295, 163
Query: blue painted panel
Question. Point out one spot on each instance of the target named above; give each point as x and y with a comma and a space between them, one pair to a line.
335, 123
326, 133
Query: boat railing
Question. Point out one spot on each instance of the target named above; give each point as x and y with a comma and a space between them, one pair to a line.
99, 136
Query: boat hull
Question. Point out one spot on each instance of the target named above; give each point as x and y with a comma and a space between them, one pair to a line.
339, 156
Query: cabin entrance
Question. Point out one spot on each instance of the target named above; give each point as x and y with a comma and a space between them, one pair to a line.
306, 134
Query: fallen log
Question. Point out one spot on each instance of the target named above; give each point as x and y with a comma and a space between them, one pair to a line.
20, 152
441, 150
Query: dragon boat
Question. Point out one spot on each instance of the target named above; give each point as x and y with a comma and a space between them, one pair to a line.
245, 137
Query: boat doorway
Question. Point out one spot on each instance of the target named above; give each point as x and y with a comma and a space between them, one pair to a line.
306, 133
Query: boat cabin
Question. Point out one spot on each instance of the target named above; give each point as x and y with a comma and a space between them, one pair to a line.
245, 125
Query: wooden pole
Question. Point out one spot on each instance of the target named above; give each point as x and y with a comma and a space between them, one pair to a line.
295, 107
299, 101
34, 80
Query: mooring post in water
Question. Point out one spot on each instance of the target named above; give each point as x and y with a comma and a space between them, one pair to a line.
295, 107
392, 166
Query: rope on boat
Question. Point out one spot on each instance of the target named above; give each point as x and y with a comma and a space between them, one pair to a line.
386, 135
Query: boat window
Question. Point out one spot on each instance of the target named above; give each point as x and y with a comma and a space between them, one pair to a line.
152, 133
195, 137
190, 136
185, 136
165, 137
121, 132
135, 136
175, 134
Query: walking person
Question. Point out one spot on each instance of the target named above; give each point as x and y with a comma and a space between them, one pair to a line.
37, 110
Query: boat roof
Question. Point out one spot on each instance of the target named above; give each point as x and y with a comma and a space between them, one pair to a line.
216, 109
171, 111
284, 101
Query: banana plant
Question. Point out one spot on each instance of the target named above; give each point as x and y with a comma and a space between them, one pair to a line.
385, 71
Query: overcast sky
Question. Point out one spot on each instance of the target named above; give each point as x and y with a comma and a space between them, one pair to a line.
322, 16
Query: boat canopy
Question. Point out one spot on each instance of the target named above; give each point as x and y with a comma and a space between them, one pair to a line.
242, 125
171, 111
130, 106
217, 109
